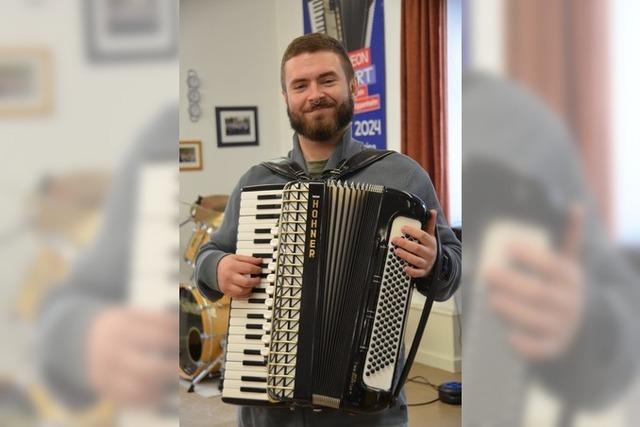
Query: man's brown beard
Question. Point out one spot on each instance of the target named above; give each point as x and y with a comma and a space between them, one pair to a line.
319, 131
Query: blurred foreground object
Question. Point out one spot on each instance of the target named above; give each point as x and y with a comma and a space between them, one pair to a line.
522, 178
65, 212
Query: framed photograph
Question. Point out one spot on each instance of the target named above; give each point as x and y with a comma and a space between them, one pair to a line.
25, 81
237, 126
120, 30
190, 155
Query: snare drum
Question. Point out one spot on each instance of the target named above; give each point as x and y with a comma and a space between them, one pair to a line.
203, 325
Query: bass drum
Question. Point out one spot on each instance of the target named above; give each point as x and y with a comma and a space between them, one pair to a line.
203, 325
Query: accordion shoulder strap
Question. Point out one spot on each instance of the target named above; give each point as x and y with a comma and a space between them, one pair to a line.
355, 163
283, 166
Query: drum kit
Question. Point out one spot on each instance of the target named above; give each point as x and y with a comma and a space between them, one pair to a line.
203, 323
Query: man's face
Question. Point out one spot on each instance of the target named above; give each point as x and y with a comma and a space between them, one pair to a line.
318, 96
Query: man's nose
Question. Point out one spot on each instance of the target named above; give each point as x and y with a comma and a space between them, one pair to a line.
315, 93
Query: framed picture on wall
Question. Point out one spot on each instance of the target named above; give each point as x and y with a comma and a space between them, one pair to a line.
237, 126
120, 30
190, 155
25, 81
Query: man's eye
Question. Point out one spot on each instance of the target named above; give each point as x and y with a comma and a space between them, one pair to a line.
329, 81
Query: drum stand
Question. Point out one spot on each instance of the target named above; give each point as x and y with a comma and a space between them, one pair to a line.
205, 372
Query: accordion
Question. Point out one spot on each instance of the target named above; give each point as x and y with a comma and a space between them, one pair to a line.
325, 325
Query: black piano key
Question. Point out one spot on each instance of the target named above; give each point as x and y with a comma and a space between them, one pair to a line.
253, 326
255, 316
253, 390
262, 231
252, 352
253, 336
268, 206
259, 290
253, 379
267, 216
269, 196
256, 300
261, 241
254, 363
263, 255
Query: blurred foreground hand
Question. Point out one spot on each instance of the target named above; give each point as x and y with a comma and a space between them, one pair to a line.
132, 355
540, 293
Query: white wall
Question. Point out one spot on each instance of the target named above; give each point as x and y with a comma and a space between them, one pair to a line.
232, 45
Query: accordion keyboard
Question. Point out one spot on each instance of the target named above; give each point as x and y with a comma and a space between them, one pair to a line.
245, 374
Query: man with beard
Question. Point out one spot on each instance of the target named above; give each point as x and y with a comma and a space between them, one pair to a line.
318, 85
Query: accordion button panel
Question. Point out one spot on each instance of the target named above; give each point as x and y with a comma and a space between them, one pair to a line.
393, 300
245, 375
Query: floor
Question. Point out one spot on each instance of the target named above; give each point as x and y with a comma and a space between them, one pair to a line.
198, 411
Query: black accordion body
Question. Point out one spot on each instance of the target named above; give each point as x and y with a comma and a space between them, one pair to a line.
325, 325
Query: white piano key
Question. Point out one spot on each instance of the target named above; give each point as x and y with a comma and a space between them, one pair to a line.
242, 340
245, 303
257, 247
250, 211
238, 366
239, 348
237, 394
260, 203
262, 222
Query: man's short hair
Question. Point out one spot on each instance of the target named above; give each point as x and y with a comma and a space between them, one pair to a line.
316, 42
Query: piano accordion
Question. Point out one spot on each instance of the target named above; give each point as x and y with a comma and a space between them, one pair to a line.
325, 325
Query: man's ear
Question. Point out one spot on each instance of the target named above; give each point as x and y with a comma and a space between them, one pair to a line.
284, 97
353, 86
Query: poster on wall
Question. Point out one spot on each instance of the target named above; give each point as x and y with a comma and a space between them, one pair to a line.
359, 25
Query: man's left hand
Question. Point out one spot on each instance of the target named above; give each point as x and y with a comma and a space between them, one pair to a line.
421, 255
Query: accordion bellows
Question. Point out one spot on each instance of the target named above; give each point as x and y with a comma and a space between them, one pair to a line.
334, 297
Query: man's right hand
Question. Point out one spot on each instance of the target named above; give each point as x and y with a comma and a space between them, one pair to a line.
132, 355
233, 271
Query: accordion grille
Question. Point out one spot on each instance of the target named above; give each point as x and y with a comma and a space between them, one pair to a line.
288, 292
